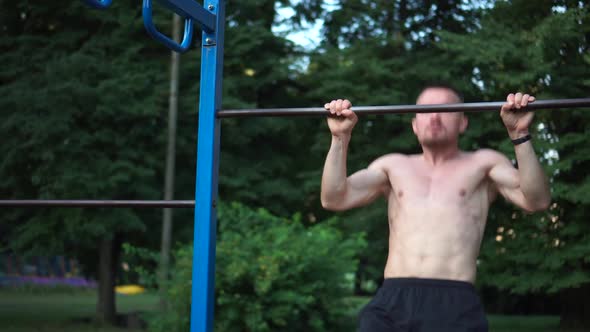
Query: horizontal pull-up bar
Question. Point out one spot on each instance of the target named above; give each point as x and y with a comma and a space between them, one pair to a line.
402, 109
97, 203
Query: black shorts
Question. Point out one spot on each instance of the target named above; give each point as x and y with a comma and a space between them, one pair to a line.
424, 305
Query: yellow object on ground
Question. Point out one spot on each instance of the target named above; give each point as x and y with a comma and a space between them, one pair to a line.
129, 289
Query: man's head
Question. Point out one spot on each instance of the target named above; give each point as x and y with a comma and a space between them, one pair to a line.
439, 129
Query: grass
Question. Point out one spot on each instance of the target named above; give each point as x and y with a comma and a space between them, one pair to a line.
68, 311
22, 311
498, 323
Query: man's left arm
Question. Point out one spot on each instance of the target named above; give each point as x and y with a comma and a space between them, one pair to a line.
527, 187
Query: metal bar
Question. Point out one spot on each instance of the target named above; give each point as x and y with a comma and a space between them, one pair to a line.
157, 35
96, 203
402, 109
98, 4
191, 9
203, 277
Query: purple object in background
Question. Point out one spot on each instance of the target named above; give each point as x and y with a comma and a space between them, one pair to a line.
15, 281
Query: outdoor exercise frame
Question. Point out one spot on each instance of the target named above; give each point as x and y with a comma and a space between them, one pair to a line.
211, 19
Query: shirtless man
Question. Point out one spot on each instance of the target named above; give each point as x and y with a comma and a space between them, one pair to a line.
437, 205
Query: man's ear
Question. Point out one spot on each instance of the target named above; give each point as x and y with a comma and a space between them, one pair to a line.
414, 128
464, 123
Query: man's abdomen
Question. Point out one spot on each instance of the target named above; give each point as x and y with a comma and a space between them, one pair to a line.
439, 242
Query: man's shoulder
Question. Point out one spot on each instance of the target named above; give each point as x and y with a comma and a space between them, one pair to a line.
386, 161
392, 157
488, 155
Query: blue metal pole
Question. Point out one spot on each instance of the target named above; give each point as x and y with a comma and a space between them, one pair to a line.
203, 281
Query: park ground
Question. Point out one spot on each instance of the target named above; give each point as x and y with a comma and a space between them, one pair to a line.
68, 311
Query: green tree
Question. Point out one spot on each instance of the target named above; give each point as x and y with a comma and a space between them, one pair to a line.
262, 160
411, 22
79, 118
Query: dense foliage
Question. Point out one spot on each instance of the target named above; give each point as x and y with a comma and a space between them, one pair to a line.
272, 274
83, 100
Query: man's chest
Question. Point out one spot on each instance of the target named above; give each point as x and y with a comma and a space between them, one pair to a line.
452, 183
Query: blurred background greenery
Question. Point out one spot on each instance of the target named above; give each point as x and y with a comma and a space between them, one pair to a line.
83, 115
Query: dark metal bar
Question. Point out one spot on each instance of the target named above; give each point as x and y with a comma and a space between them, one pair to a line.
313, 111
97, 203
402, 109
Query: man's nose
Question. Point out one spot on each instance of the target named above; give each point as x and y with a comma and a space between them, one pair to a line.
435, 117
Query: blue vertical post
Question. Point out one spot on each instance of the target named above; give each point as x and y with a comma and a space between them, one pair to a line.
203, 281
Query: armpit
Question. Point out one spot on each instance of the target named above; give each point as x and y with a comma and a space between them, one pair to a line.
492, 190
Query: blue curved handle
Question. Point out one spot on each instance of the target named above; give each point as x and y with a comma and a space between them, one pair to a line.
170, 43
98, 4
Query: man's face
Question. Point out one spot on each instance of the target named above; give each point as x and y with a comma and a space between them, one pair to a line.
438, 129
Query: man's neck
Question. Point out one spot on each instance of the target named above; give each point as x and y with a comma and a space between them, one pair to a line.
437, 155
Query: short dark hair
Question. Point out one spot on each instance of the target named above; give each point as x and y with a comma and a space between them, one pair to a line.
442, 85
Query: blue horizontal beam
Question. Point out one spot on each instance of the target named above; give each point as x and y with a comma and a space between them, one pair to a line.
98, 4
193, 10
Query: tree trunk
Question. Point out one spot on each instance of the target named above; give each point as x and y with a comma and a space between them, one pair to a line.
109, 249
358, 278
170, 158
575, 309
358, 282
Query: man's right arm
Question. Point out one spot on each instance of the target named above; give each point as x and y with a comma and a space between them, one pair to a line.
340, 192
